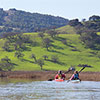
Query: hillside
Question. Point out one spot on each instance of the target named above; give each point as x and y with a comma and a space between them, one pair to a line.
72, 53
67, 29
13, 20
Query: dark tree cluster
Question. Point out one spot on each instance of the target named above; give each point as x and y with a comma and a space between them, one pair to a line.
94, 18
91, 39
88, 31
20, 21
93, 23
6, 64
75, 22
17, 41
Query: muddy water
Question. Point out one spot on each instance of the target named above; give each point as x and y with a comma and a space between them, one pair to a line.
48, 90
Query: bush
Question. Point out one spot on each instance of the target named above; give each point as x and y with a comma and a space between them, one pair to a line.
55, 58
5, 64
18, 54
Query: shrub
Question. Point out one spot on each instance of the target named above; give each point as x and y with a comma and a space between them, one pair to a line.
55, 58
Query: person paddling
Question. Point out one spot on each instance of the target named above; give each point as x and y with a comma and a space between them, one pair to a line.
60, 75
75, 76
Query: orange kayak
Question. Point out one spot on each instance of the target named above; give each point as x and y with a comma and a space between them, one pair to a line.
59, 80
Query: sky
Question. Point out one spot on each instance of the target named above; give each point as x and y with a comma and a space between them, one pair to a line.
69, 9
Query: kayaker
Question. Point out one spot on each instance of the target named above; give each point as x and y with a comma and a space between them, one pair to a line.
75, 76
60, 75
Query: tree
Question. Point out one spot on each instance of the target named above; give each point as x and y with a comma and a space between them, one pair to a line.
55, 58
94, 18
18, 54
83, 20
75, 22
6, 59
52, 33
90, 39
11, 37
5, 64
40, 62
98, 55
46, 43
45, 57
33, 57
26, 39
16, 47
64, 41
41, 34
19, 45
21, 21
6, 46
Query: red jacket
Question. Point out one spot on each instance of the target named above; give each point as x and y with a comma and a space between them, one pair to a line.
61, 76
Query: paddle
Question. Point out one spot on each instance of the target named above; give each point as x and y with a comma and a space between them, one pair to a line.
84, 66
81, 69
70, 69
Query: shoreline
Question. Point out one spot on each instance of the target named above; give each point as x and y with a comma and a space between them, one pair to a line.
45, 75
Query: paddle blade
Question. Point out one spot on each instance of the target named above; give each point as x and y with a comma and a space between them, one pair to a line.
84, 65
50, 79
71, 69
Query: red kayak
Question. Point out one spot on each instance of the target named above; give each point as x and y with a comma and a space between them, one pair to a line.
59, 80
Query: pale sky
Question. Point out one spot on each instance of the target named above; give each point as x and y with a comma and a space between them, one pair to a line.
70, 9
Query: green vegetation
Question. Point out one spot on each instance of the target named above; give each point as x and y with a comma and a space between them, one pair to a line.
67, 29
72, 45
98, 33
71, 54
14, 20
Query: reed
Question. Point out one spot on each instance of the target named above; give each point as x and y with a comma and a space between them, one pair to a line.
45, 75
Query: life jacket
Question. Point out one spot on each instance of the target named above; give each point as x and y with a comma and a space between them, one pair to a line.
59, 76
76, 76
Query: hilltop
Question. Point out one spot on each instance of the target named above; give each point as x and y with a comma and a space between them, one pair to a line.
13, 20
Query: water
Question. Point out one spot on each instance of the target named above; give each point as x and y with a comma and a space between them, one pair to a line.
49, 90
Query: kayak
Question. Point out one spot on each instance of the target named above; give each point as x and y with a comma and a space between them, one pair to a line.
71, 81
59, 80
75, 81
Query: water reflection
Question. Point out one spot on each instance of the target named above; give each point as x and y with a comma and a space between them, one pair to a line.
46, 90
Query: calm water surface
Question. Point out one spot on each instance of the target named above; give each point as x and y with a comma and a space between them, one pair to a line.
48, 90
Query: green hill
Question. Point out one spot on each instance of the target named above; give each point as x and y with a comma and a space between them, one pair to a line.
67, 29
70, 54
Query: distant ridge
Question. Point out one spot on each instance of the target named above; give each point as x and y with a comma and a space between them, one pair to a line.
13, 20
